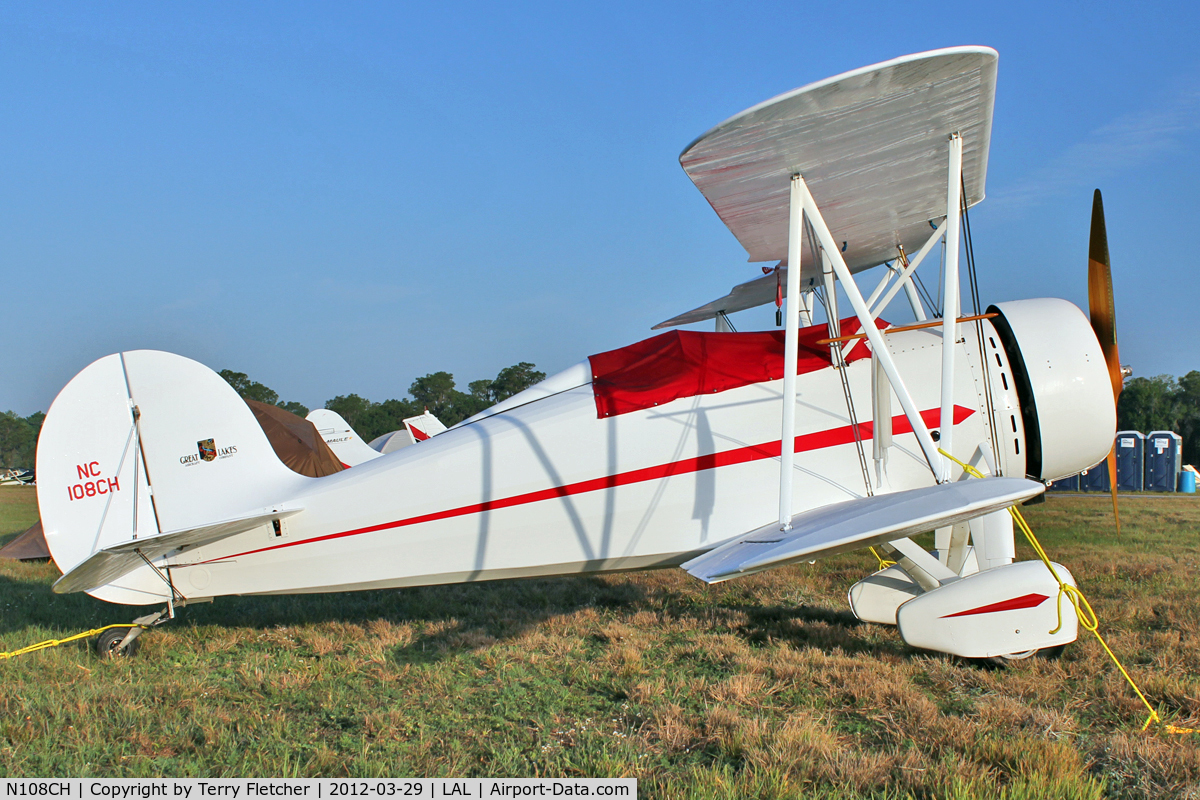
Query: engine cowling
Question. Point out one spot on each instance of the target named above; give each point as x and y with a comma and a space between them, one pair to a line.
1062, 383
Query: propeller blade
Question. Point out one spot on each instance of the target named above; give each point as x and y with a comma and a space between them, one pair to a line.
1101, 305
1103, 310
1112, 482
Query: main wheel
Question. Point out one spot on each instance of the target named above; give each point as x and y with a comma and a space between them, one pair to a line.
1048, 653
108, 644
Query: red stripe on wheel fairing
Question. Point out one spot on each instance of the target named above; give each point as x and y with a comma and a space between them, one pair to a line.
740, 455
1024, 601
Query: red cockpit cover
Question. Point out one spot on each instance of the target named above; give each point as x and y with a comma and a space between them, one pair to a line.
688, 363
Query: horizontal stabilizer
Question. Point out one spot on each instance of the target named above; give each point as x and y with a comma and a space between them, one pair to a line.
859, 523
111, 563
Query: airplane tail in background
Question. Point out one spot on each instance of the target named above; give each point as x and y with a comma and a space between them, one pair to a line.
347, 445
416, 429
424, 426
152, 452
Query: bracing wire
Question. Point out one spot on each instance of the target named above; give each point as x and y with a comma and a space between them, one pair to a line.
973, 278
925, 295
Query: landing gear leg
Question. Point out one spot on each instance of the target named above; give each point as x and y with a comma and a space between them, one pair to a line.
112, 643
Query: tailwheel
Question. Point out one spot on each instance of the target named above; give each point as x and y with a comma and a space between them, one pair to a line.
109, 644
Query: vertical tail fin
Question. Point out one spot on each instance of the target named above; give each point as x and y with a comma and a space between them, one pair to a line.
347, 445
424, 426
144, 443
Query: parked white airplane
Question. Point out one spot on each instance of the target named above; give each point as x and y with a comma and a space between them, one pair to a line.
345, 443
416, 429
351, 450
723, 453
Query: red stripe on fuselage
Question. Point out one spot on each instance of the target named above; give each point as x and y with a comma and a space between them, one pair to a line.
740, 455
1024, 601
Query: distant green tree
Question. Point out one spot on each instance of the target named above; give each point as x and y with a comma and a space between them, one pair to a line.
1149, 404
389, 416
437, 393
1163, 403
481, 390
253, 390
1188, 399
293, 407
514, 379
353, 409
248, 389
18, 440
508, 382
35, 421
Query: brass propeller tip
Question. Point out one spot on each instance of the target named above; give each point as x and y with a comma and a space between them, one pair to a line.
1098, 245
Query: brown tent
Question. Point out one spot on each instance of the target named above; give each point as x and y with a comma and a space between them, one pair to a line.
296, 441
29, 546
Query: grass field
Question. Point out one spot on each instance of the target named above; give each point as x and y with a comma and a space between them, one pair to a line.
765, 687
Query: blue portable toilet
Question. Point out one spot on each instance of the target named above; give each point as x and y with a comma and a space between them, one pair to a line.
1163, 461
1070, 484
1131, 461
1095, 479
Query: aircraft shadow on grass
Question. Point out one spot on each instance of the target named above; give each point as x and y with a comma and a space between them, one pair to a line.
469, 616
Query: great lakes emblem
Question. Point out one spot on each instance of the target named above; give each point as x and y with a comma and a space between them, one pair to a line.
208, 450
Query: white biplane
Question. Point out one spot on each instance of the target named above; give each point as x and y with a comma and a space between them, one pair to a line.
723, 453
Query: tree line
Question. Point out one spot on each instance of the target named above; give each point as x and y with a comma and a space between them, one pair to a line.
1164, 403
18, 439
435, 391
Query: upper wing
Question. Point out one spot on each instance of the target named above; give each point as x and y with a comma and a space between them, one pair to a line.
859, 523
871, 146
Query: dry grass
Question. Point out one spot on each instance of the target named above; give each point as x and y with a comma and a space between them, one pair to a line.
765, 687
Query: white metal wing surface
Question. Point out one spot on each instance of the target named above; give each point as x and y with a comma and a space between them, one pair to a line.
869, 144
859, 523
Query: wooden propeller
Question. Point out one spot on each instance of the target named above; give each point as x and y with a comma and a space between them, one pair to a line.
1104, 321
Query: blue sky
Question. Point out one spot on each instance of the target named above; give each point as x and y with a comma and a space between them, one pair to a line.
338, 198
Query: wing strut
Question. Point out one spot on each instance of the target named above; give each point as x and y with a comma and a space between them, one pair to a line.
951, 301
791, 350
801, 204
804, 205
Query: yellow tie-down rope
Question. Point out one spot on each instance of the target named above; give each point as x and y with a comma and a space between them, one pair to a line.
33, 648
1083, 609
883, 562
